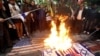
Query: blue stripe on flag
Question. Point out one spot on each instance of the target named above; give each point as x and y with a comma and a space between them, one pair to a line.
23, 14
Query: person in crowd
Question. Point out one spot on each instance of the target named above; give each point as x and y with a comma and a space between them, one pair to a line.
94, 22
26, 6
29, 19
5, 40
34, 26
42, 18
93, 17
12, 31
37, 16
79, 17
86, 22
48, 20
32, 5
15, 10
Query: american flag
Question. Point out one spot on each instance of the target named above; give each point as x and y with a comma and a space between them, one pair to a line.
76, 50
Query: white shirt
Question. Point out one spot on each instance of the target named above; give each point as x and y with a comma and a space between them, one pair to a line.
79, 16
13, 11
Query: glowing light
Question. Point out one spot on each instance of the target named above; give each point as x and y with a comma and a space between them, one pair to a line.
58, 40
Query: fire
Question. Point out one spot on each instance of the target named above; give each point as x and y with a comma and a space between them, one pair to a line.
58, 40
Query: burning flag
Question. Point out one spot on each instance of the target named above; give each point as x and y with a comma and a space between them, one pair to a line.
60, 44
59, 40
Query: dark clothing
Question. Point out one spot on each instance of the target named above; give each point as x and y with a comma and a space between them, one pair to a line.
5, 40
7, 7
84, 13
32, 7
13, 32
19, 28
29, 23
78, 24
96, 35
35, 22
25, 7
92, 19
86, 21
96, 24
42, 19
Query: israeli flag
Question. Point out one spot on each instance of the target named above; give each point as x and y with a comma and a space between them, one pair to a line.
49, 52
23, 15
83, 51
19, 16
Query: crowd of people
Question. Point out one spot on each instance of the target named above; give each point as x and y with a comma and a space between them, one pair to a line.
13, 29
82, 21
85, 20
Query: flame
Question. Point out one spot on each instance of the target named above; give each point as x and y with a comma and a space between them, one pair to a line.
58, 40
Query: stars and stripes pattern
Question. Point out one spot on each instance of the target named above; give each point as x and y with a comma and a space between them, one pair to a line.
28, 47
76, 50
